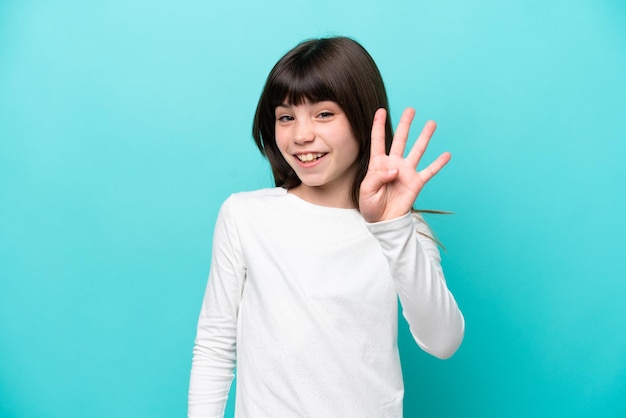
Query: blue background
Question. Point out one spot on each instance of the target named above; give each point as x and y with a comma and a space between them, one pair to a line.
125, 124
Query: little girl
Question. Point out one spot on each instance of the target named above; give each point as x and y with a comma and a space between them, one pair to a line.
305, 277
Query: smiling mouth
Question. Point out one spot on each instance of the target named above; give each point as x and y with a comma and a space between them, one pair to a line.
310, 157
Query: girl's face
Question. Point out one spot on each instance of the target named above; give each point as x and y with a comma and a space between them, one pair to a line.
316, 140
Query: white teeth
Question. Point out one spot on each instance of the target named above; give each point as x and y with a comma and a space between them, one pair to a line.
305, 158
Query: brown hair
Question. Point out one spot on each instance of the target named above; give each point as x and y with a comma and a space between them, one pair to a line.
338, 69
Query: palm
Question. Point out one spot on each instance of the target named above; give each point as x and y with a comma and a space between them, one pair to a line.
392, 182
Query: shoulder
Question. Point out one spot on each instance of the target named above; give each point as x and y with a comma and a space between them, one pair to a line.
254, 198
247, 203
260, 194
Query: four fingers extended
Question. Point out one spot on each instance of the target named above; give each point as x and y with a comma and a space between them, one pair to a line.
393, 182
400, 138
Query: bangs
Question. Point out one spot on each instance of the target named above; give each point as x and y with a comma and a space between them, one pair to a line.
295, 86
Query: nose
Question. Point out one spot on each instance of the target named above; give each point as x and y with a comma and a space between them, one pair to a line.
303, 132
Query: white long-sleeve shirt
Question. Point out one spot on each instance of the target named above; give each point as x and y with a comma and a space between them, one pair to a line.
303, 300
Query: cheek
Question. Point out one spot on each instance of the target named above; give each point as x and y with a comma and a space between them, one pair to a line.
354, 149
355, 155
280, 137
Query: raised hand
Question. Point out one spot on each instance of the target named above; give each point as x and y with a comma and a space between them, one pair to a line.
392, 182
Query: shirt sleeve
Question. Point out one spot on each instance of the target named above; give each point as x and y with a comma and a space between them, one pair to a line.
214, 352
434, 318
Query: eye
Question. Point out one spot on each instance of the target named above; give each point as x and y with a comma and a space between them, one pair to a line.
325, 115
284, 118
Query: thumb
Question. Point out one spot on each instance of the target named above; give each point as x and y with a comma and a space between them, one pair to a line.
376, 179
